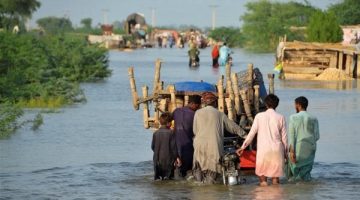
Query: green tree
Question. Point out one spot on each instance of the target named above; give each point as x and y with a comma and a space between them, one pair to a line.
86, 22
324, 27
14, 12
347, 11
55, 25
230, 35
265, 21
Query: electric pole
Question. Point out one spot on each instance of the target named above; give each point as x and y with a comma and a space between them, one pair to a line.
153, 20
213, 7
105, 17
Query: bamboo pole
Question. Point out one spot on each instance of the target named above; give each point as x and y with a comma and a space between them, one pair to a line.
256, 98
228, 71
246, 105
221, 94
162, 105
160, 86
235, 83
230, 109
251, 80
172, 97
229, 90
146, 107
186, 100
157, 76
156, 114
271, 83
231, 96
242, 122
134, 94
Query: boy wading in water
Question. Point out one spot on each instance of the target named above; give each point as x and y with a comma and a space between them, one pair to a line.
165, 152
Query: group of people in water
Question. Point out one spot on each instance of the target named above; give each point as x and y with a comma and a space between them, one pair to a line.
191, 140
220, 54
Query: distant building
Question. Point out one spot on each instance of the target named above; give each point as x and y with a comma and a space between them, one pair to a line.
351, 34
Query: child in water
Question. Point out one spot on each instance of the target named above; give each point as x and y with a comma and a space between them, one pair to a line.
165, 152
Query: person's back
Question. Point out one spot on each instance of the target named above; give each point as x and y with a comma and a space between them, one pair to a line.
272, 145
304, 126
209, 133
224, 53
184, 118
193, 52
215, 51
209, 126
164, 148
271, 123
303, 134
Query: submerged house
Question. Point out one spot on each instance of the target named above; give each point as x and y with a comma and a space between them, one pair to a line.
302, 60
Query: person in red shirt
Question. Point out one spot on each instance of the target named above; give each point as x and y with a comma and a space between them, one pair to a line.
215, 55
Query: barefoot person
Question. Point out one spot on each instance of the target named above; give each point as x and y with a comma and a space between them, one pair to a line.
303, 134
271, 142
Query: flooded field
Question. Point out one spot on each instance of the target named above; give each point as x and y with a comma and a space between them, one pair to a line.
99, 149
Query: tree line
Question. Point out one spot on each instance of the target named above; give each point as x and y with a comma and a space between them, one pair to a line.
42, 70
265, 21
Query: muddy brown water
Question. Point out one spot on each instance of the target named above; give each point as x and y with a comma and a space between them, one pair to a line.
99, 149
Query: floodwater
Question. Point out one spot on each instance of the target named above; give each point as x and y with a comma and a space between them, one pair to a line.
99, 149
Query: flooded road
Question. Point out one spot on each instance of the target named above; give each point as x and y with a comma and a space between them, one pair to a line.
99, 149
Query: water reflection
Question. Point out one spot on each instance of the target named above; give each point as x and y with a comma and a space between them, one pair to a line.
215, 70
333, 85
270, 192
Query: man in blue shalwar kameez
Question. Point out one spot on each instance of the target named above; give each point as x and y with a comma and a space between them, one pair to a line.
303, 134
224, 54
183, 119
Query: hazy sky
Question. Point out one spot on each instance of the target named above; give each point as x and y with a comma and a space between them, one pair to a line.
167, 12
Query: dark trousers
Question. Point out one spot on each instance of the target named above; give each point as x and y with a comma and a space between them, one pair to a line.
197, 59
163, 173
215, 62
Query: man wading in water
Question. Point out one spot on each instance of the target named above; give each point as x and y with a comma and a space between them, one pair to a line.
184, 119
303, 134
271, 142
209, 125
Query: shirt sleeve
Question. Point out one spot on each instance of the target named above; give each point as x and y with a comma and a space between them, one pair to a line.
317, 132
253, 131
173, 145
291, 134
195, 125
153, 142
284, 138
232, 127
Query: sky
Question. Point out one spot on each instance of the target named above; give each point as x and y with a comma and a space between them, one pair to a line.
167, 12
